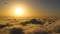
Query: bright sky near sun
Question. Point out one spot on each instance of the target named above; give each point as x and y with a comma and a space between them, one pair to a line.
19, 11
29, 8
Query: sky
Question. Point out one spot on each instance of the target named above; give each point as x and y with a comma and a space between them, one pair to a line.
35, 8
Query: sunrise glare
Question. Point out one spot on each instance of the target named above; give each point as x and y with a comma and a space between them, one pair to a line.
19, 11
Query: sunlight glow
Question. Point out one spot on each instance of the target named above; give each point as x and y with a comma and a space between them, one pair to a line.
19, 11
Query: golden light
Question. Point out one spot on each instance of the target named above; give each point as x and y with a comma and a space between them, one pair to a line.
19, 11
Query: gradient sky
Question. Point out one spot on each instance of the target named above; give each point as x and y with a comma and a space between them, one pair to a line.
32, 7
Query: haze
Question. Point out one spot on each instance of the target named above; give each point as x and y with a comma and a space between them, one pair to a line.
32, 8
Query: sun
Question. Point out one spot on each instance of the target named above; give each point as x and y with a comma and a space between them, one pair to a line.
19, 11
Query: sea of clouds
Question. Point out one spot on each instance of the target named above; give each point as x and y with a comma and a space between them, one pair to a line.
30, 26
